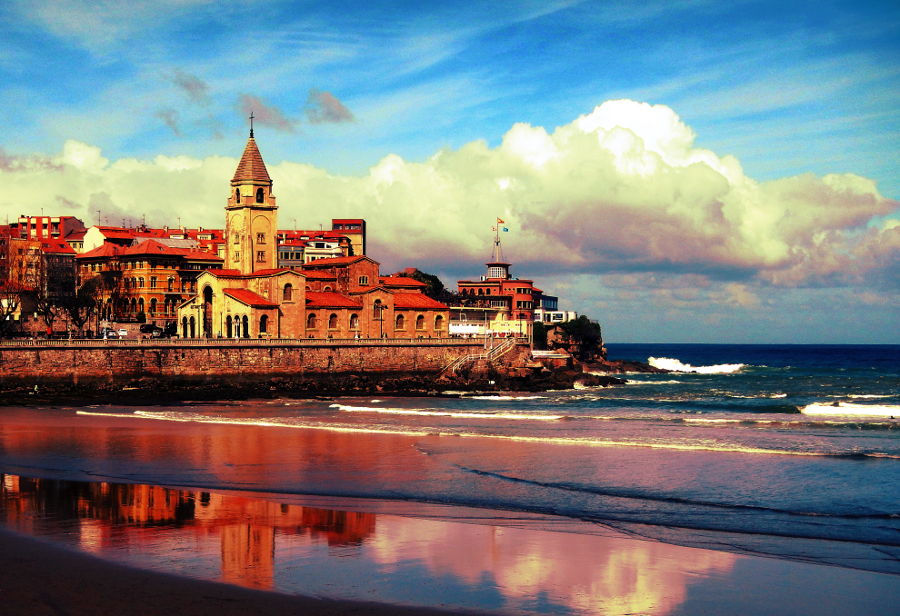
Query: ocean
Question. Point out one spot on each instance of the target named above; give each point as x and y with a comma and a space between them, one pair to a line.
785, 451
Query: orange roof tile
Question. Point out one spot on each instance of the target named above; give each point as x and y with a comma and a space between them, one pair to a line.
249, 298
401, 281
251, 168
417, 300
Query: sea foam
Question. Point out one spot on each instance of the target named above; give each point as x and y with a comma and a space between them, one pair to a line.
675, 365
846, 408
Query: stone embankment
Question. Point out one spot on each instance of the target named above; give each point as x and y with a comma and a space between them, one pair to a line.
166, 370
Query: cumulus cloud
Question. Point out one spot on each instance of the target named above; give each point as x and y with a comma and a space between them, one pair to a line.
324, 107
266, 115
620, 191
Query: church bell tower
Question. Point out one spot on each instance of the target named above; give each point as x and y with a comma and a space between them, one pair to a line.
251, 216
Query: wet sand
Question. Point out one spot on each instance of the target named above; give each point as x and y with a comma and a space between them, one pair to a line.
38, 578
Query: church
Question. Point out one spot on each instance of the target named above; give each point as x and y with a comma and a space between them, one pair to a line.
339, 297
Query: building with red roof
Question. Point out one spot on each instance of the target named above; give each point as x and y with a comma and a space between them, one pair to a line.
299, 284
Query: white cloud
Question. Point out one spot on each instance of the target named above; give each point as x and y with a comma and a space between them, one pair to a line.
621, 189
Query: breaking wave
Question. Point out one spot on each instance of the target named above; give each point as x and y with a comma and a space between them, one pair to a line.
847, 408
675, 365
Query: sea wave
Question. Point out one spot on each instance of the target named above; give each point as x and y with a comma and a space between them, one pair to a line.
847, 408
441, 413
675, 365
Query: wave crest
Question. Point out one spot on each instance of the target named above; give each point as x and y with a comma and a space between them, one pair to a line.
676, 365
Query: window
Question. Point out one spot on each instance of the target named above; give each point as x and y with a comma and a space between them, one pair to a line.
311, 321
237, 195
288, 292
332, 321
237, 256
420, 322
400, 323
263, 323
363, 280
259, 195
438, 323
260, 238
141, 282
152, 282
377, 308
153, 306
260, 256
171, 285
354, 321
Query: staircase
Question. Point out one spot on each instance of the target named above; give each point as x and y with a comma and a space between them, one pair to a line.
491, 355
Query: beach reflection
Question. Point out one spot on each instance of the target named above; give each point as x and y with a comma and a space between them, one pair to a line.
259, 543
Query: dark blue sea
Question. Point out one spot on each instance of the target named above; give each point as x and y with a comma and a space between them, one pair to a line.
789, 451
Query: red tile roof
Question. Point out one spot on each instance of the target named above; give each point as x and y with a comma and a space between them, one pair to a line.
328, 299
251, 168
103, 251
56, 247
417, 300
249, 298
401, 281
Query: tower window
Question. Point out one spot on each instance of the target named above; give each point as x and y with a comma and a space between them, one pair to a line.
260, 256
237, 195
259, 195
260, 238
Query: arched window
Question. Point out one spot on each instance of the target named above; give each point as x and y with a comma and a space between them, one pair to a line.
237, 195
184, 327
400, 322
141, 282
288, 292
438, 322
420, 322
171, 284
332, 321
263, 324
192, 327
327, 288
153, 306
311, 321
245, 326
259, 195
354, 321
229, 330
377, 307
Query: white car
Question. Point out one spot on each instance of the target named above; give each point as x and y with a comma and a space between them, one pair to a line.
123, 333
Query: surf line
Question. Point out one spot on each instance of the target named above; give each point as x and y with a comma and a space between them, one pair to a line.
583, 442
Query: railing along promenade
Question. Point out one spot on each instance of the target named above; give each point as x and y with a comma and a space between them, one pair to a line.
85, 343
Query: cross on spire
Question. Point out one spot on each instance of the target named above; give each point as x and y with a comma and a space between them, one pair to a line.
251, 124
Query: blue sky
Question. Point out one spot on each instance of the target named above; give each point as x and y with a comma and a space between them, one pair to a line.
432, 95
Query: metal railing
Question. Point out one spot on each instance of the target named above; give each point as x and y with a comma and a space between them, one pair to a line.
87, 343
491, 355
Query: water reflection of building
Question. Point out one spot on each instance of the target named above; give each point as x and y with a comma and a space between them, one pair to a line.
246, 526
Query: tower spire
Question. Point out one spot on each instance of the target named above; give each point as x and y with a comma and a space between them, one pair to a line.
251, 124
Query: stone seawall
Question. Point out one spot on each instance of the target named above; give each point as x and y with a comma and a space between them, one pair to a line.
226, 366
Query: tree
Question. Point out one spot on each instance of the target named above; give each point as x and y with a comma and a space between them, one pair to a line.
81, 306
583, 336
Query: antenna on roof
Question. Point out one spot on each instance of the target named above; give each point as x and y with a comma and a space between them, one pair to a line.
251, 124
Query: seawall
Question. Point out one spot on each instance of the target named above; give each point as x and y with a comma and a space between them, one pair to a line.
161, 368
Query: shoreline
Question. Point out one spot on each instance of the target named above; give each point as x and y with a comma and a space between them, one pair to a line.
38, 577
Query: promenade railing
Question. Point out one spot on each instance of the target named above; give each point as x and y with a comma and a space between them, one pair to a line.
86, 343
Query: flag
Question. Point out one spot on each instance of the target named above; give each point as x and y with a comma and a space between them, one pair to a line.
499, 221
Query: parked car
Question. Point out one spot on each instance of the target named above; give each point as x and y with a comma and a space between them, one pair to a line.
108, 334
147, 328
123, 333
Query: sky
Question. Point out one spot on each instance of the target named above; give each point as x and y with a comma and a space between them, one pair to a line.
680, 171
